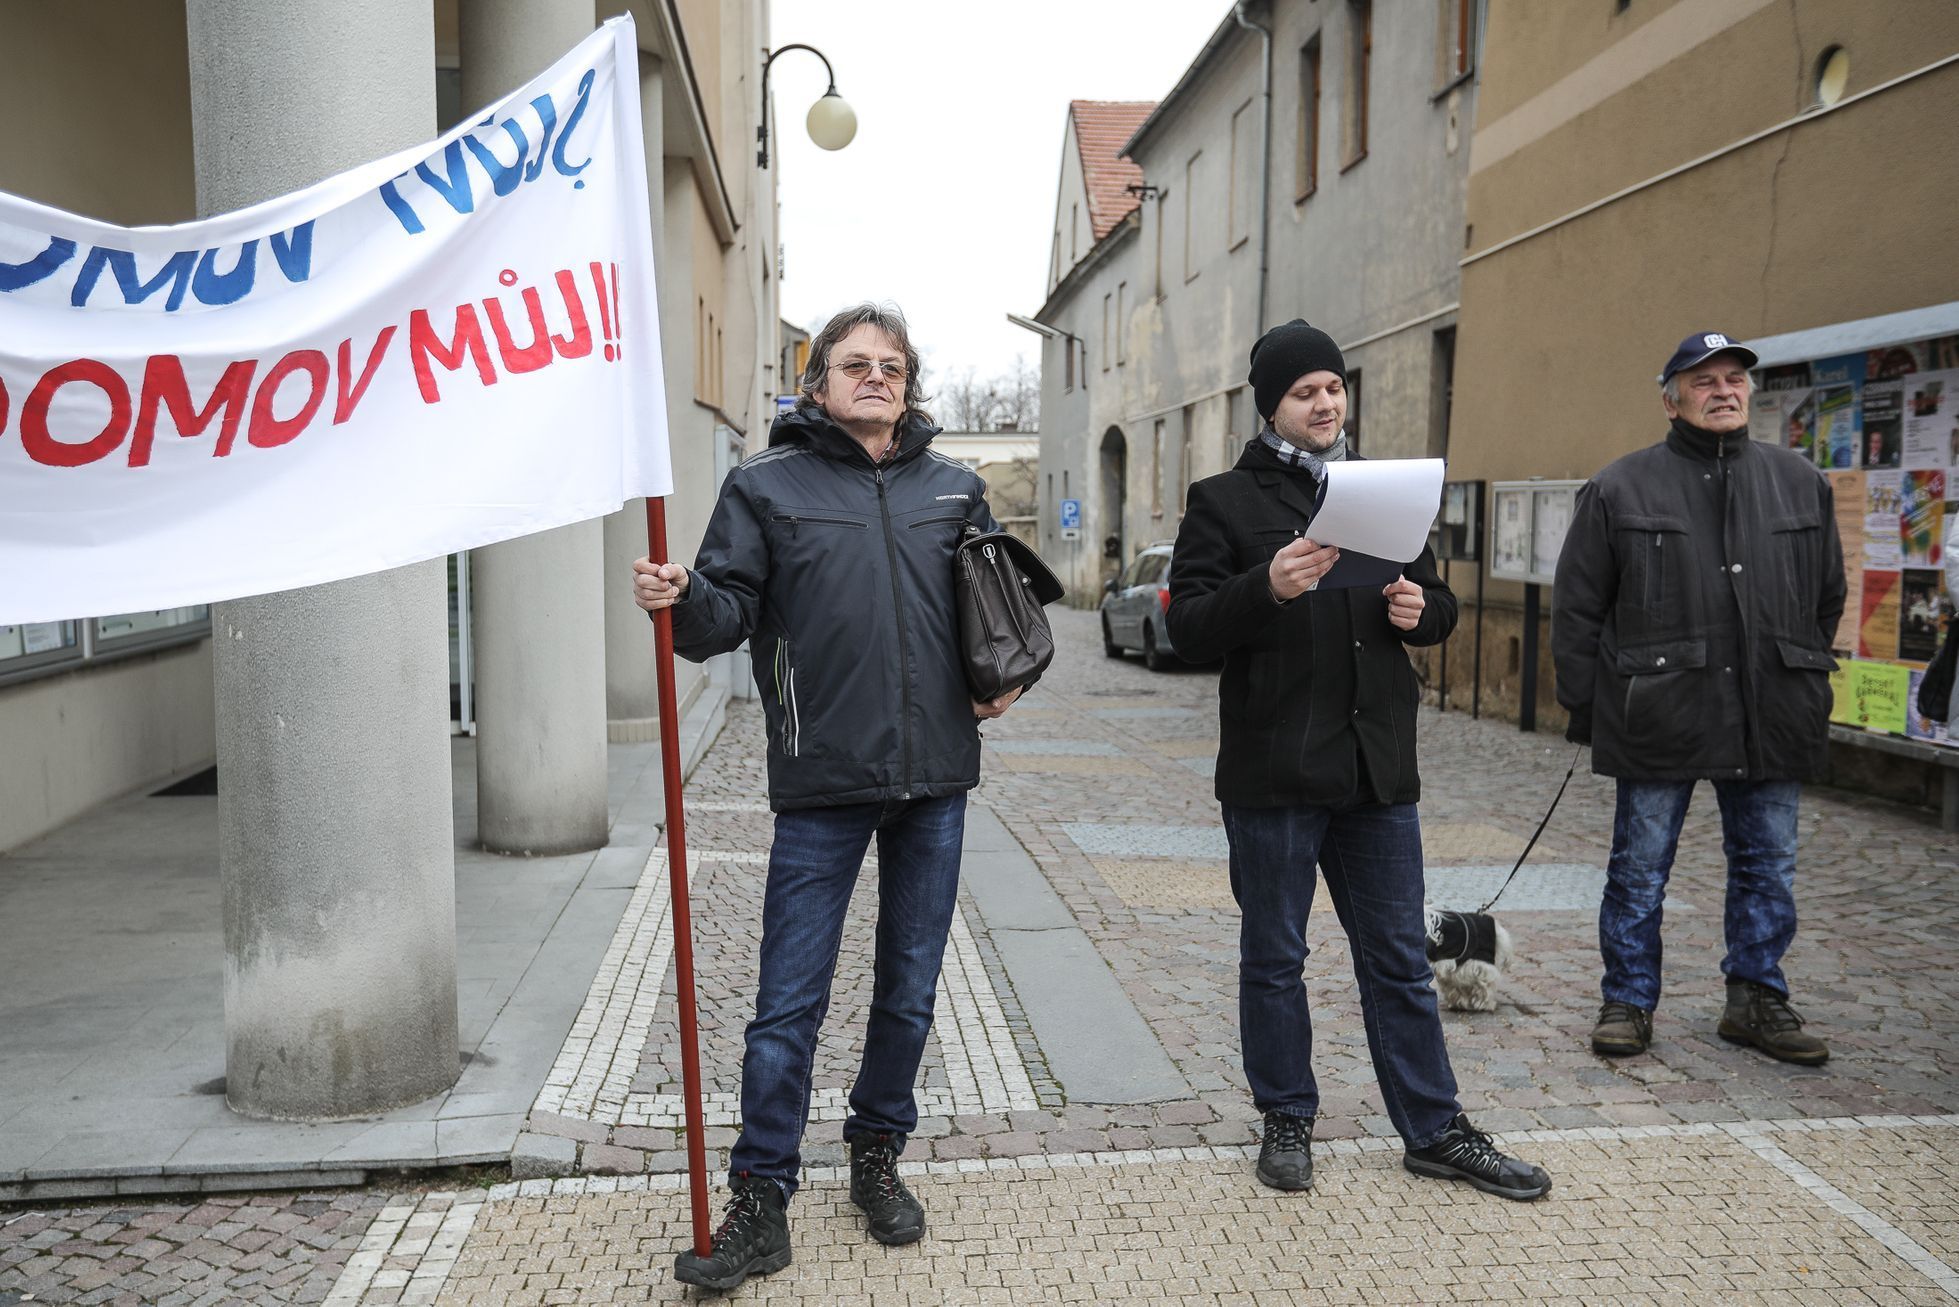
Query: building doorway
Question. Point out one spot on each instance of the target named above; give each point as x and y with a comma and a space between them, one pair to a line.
1114, 502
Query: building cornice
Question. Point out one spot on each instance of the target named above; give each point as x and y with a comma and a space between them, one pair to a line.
1169, 104
1098, 254
661, 35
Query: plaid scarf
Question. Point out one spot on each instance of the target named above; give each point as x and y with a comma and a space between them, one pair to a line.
1294, 456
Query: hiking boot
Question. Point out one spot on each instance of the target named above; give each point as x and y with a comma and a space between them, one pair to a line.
891, 1213
1760, 1016
753, 1238
1285, 1159
1466, 1153
1622, 1029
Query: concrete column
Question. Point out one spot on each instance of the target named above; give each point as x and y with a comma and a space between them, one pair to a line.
632, 704
539, 601
336, 847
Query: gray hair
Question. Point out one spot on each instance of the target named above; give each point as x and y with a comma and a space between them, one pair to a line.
889, 319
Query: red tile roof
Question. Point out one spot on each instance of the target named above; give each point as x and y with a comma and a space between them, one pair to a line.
1101, 128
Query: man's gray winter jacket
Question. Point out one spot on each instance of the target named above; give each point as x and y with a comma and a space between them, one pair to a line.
838, 572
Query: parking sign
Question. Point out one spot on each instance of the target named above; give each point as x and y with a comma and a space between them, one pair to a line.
1071, 514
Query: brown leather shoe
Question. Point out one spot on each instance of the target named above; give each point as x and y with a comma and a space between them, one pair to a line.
1759, 1016
1622, 1030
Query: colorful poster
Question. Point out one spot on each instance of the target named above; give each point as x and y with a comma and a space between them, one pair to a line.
1839, 370
1779, 391
1917, 725
1883, 516
1921, 615
1847, 491
1768, 416
1931, 426
1871, 695
1836, 439
1877, 633
1941, 352
1884, 423
1894, 361
1921, 518
1799, 420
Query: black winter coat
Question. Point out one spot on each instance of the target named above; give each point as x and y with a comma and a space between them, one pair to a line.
1316, 689
1696, 599
838, 572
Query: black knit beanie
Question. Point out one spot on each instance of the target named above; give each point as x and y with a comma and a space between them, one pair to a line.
1285, 354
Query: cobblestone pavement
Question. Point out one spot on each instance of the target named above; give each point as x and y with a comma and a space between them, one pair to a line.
1701, 1172
287, 1248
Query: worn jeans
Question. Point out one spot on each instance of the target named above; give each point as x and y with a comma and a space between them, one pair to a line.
1758, 833
1372, 859
813, 868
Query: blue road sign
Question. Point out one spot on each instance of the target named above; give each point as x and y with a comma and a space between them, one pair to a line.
1071, 514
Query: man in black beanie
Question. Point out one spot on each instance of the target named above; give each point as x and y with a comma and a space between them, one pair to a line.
1316, 765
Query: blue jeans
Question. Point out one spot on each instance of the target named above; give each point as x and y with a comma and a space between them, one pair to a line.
1758, 833
813, 868
1372, 858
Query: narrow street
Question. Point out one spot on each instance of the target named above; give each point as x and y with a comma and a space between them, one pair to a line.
1087, 1133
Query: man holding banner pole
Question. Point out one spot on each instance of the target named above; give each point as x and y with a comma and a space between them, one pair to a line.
831, 554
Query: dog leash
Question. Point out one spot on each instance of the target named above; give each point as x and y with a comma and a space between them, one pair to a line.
1569, 773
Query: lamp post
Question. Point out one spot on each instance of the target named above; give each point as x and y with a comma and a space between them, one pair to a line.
832, 122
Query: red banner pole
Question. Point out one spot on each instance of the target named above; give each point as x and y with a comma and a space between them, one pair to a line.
683, 923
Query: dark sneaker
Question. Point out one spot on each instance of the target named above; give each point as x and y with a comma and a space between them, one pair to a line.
891, 1213
1285, 1159
1466, 1153
753, 1238
1622, 1029
1759, 1016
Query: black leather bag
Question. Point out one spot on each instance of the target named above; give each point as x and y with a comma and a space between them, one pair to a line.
1935, 687
1003, 632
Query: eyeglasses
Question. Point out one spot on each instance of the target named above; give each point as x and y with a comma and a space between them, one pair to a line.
858, 369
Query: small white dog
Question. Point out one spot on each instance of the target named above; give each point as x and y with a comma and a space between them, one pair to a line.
1470, 951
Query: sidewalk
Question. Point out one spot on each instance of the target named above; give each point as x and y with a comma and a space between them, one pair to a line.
1095, 907
112, 1051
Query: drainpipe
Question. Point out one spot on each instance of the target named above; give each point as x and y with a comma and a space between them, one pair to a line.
1238, 11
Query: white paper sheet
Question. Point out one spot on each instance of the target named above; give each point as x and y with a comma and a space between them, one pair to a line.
1379, 506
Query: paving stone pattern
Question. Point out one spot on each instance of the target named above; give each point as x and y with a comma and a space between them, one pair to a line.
1876, 889
1685, 1215
1699, 1173
276, 1248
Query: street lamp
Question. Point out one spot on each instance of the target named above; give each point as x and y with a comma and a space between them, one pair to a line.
832, 122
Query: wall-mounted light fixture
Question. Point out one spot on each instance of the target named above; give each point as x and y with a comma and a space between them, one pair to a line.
832, 122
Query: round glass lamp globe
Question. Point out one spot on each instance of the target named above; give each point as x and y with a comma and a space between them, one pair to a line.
832, 122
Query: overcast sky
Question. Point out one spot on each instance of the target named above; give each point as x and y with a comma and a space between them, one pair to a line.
945, 201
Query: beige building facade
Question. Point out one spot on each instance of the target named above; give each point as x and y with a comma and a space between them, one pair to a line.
1643, 170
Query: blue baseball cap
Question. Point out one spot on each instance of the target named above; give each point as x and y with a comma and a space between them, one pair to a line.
1702, 346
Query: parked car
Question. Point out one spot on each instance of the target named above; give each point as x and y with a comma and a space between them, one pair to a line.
1133, 606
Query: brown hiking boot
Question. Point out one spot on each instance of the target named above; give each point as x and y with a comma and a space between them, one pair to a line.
1759, 1016
1622, 1030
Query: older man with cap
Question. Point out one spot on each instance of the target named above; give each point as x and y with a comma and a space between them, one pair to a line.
1696, 598
1316, 765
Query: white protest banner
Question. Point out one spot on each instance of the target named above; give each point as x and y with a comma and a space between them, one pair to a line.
445, 348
